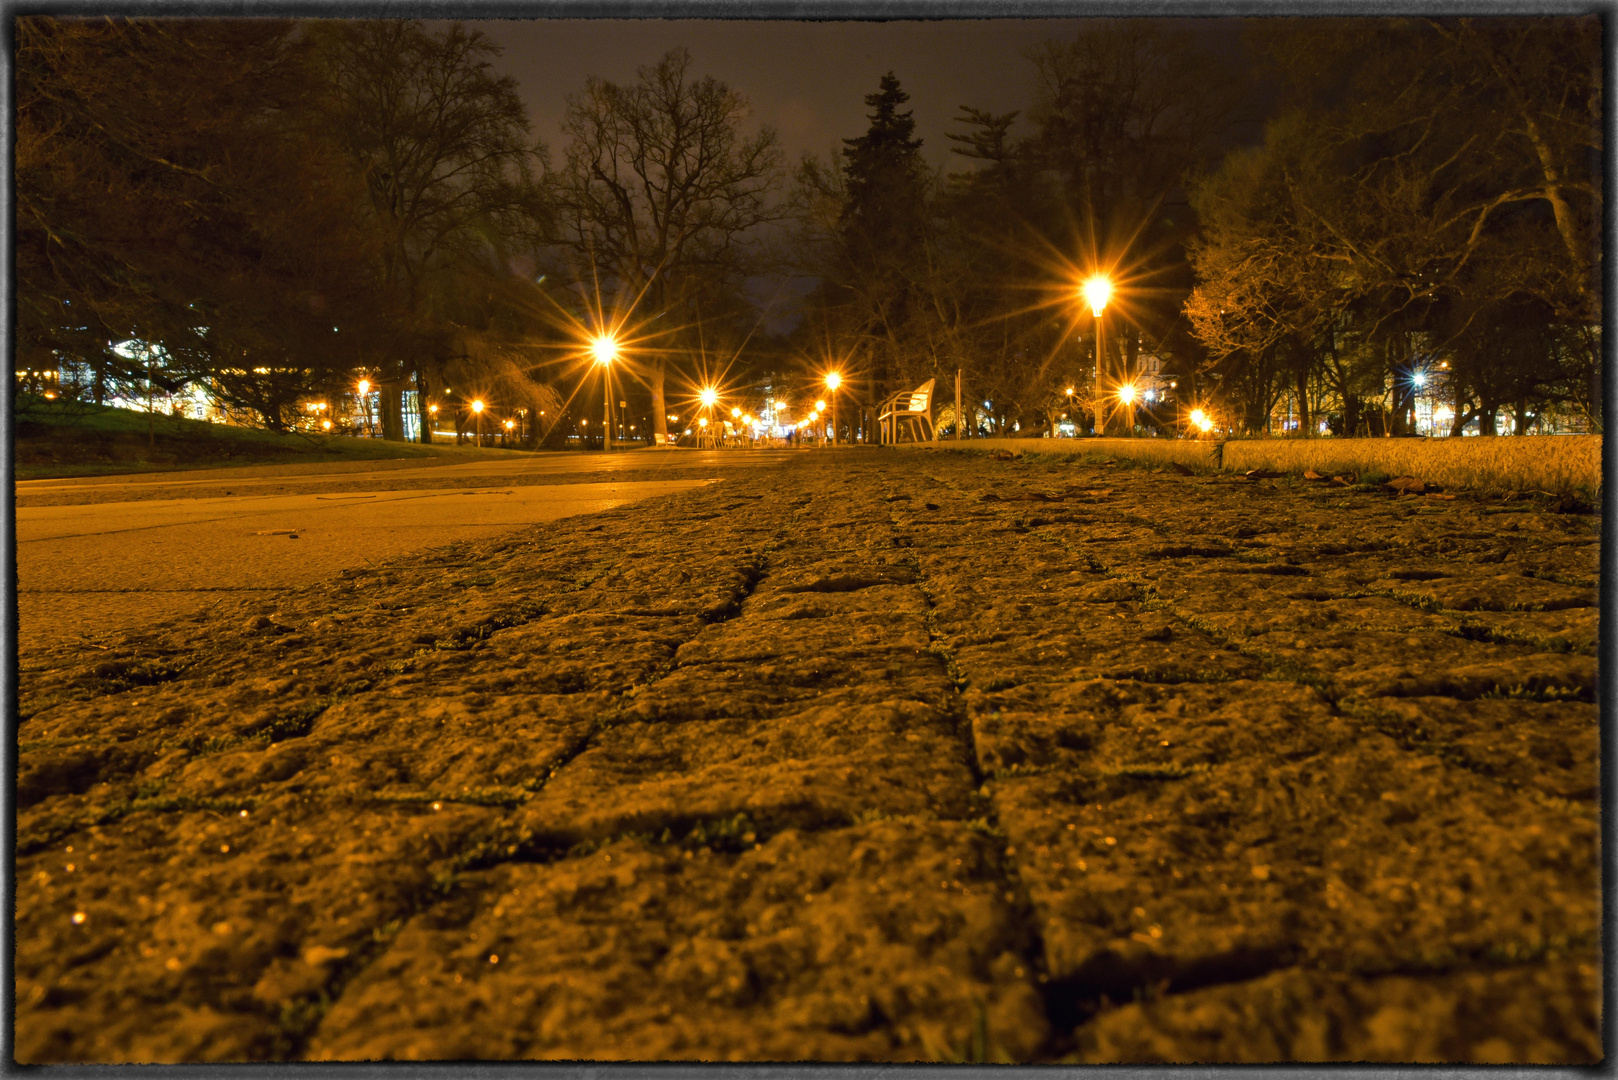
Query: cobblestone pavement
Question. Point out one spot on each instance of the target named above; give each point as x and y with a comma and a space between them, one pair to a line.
847, 758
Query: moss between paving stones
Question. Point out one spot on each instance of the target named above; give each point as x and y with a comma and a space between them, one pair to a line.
842, 761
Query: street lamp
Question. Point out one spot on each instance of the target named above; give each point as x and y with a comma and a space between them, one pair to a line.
365, 403
477, 421
1126, 394
605, 350
1097, 290
833, 381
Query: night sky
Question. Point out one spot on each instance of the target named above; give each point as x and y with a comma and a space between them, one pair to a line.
806, 79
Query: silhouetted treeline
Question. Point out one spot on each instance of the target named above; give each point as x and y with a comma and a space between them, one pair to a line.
277, 208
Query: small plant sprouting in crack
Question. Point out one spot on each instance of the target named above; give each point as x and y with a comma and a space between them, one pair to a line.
1522, 692
976, 1047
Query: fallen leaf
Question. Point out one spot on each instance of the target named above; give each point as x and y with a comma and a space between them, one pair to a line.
1181, 469
1405, 485
316, 955
1310, 474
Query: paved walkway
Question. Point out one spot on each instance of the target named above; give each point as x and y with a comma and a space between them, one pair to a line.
846, 758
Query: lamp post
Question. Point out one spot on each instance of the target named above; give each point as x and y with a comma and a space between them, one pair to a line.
477, 423
605, 350
820, 425
709, 398
833, 381
1126, 394
365, 403
1097, 291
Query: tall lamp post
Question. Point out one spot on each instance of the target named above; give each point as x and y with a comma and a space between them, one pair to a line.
833, 381
1097, 291
1126, 394
477, 423
365, 403
605, 350
709, 398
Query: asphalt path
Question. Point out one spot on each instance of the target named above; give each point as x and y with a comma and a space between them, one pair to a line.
99, 557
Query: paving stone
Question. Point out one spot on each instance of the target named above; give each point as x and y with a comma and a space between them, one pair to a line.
1541, 1015
854, 757
883, 941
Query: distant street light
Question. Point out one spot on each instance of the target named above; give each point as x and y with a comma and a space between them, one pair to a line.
1126, 394
477, 421
1097, 291
833, 381
365, 403
605, 351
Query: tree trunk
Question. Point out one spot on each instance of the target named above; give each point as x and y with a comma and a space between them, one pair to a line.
1486, 418
1597, 405
1399, 420
660, 418
1305, 418
390, 407
1351, 416
1521, 426
421, 406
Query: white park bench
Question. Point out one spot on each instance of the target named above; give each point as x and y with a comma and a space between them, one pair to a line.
911, 406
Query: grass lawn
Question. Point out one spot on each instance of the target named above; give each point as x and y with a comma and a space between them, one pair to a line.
54, 439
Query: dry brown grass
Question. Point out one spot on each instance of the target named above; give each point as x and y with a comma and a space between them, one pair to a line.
1560, 464
1192, 453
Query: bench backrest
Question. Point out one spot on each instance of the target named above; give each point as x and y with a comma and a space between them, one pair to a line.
916, 400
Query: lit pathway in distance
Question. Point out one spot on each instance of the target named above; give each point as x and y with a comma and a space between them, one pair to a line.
106, 568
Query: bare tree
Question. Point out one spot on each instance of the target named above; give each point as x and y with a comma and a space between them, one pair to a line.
661, 190
443, 144
1414, 193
